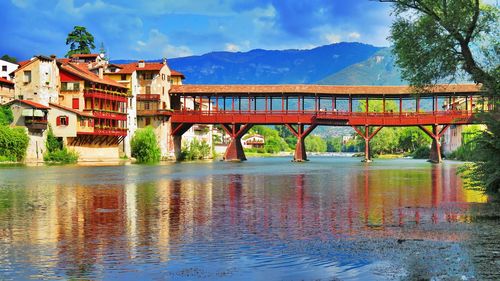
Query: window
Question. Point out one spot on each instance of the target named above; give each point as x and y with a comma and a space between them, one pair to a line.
163, 77
146, 105
27, 76
148, 121
76, 103
123, 77
62, 121
148, 90
82, 122
147, 76
70, 86
4, 68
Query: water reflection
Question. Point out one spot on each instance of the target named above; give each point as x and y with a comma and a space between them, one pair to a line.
221, 224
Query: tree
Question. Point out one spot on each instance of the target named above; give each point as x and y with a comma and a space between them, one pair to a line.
145, 147
9, 58
436, 40
6, 116
80, 41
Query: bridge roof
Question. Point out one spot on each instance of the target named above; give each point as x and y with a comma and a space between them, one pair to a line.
299, 89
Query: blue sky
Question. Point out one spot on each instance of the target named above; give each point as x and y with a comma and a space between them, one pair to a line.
154, 29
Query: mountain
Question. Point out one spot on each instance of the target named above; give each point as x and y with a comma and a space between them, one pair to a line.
271, 67
379, 69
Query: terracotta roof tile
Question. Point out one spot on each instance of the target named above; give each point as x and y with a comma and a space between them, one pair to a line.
84, 55
82, 71
317, 89
71, 110
5, 81
134, 66
30, 103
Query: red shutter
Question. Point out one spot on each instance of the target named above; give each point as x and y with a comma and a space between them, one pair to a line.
58, 121
76, 103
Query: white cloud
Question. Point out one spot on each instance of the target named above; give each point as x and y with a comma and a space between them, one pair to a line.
230, 47
332, 38
157, 45
354, 36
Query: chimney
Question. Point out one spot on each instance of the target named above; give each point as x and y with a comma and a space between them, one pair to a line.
165, 61
141, 64
101, 72
53, 57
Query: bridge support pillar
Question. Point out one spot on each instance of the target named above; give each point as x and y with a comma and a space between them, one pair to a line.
435, 134
300, 148
367, 137
234, 151
178, 129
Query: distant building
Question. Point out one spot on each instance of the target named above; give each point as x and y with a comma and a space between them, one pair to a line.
6, 90
253, 141
6, 68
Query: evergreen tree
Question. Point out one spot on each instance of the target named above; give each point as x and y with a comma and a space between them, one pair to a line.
80, 41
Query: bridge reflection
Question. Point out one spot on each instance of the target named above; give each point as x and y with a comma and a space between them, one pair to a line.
78, 226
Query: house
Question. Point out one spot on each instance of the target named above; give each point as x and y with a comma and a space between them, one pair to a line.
6, 90
149, 85
37, 80
253, 141
6, 68
88, 111
34, 117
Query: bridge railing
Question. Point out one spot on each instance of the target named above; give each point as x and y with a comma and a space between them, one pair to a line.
324, 114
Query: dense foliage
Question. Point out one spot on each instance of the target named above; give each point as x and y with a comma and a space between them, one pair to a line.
441, 40
196, 150
6, 116
13, 143
274, 143
80, 41
56, 152
145, 147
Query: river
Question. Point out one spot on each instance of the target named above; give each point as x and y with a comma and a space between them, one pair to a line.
331, 218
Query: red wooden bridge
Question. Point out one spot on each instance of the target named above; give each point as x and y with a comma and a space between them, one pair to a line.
304, 107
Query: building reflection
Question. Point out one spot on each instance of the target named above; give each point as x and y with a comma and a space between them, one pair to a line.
81, 225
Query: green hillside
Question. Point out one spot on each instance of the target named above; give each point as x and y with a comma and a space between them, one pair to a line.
379, 69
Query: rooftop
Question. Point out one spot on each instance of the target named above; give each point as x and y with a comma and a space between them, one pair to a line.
318, 89
30, 103
82, 71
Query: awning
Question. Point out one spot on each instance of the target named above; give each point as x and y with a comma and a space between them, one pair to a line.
33, 112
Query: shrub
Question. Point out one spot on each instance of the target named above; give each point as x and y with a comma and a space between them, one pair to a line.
13, 143
63, 156
145, 147
422, 152
6, 116
56, 152
196, 150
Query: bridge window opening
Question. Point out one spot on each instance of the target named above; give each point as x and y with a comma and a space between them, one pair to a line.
426, 104
358, 104
275, 103
342, 105
409, 105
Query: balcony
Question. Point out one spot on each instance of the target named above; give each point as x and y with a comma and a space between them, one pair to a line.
148, 97
105, 131
154, 112
106, 95
35, 125
108, 114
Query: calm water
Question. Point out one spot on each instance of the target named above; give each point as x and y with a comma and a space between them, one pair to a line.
270, 219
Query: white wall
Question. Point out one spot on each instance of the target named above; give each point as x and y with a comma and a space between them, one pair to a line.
10, 68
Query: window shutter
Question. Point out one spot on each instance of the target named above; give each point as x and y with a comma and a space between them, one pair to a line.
76, 103
58, 121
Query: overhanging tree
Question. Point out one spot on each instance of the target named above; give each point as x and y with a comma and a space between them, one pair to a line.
436, 40
80, 41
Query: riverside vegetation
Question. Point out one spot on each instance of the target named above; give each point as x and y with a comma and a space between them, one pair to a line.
56, 152
145, 147
13, 141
